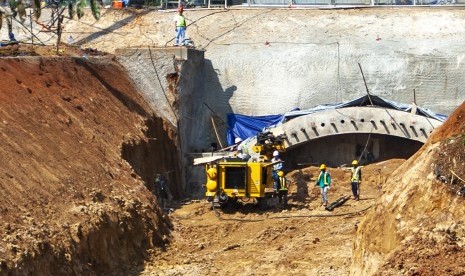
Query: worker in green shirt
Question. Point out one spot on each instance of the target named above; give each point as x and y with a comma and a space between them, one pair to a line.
181, 26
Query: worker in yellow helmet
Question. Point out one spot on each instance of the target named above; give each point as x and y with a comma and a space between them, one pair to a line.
324, 181
282, 192
356, 179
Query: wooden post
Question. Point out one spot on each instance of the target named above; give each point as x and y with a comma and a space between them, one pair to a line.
216, 132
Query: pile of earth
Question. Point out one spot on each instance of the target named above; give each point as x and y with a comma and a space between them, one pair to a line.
19, 50
75, 164
418, 225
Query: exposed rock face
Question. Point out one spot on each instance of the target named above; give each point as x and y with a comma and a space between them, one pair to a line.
73, 195
417, 227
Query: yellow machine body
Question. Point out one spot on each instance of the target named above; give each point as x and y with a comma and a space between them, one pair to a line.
239, 179
212, 184
234, 178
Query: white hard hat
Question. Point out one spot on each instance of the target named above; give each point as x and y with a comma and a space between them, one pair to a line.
237, 140
275, 153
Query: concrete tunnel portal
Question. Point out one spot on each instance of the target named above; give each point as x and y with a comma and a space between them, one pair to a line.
338, 150
366, 133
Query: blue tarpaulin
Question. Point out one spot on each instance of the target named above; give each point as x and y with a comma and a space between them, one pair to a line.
243, 126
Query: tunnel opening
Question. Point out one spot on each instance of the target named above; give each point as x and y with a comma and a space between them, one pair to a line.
338, 150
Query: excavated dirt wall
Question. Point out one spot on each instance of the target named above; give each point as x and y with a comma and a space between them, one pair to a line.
156, 155
75, 149
417, 227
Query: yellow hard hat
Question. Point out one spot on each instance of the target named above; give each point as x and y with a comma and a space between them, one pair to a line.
280, 173
322, 167
355, 162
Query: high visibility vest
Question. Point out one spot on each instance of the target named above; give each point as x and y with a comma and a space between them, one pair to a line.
325, 177
282, 184
355, 174
181, 22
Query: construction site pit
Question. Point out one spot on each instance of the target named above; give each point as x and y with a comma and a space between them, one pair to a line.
89, 127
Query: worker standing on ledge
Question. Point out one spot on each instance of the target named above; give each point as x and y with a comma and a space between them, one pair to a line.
324, 181
356, 179
277, 166
181, 26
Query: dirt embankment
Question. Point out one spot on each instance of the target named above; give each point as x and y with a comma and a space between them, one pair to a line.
417, 227
75, 140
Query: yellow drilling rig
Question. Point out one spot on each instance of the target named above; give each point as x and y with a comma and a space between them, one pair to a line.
232, 178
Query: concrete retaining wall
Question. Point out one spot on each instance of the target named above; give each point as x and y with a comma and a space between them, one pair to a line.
171, 80
268, 61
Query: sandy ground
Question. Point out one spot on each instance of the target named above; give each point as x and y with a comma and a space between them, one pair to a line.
304, 239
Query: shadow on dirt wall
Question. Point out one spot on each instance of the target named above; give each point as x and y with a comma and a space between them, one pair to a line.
208, 104
217, 100
158, 154
113, 28
126, 100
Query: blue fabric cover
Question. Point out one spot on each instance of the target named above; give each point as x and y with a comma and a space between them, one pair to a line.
243, 126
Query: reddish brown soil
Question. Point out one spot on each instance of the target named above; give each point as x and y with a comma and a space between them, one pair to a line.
449, 160
18, 50
421, 230
74, 131
454, 126
439, 248
427, 256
